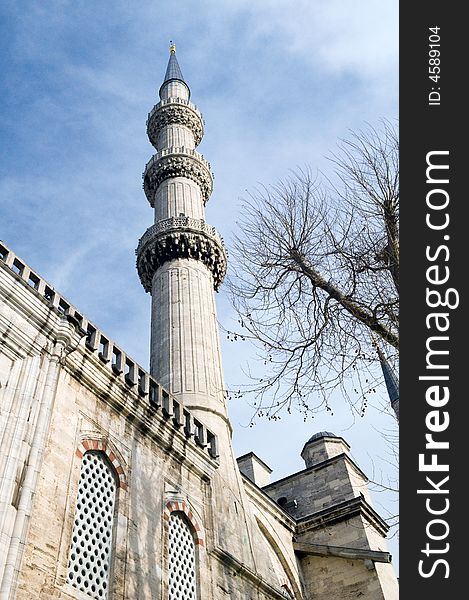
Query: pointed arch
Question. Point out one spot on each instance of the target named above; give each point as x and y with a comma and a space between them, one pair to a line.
103, 445
290, 584
182, 506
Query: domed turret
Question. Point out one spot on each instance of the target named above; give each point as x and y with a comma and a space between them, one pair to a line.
321, 446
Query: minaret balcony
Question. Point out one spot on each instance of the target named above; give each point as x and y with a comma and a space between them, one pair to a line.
177, 162
175, 111
180, 237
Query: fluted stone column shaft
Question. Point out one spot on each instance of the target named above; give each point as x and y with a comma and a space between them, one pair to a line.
177, 136
177, 196
185, 350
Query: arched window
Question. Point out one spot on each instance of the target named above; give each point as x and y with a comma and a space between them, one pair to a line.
182, 559
90, 551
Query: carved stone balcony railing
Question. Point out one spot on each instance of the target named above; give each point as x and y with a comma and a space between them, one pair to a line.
169, 101
180, 237
175, 111
177, 222
177, 162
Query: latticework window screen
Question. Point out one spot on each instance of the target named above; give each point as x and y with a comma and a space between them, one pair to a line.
182, 576
91, 547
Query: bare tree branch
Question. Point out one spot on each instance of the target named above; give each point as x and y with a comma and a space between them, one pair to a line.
316, 271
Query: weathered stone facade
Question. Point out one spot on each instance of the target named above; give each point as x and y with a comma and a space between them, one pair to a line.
66, 391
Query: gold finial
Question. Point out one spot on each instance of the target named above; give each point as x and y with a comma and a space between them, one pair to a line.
172, 47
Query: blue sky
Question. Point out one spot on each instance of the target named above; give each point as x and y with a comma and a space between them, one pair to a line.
277, 82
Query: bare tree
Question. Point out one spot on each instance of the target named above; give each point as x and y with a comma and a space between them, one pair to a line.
316, 274
384, 479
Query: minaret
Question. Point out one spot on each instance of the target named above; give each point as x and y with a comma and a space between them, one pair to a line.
181, 259
390, 379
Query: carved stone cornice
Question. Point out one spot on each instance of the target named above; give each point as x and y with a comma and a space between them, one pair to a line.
180, 237
177, 162
342, 511
174, 113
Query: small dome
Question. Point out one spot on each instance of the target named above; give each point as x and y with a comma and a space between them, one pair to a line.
321, 434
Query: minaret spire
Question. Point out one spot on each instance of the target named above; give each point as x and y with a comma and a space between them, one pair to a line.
173, 70
181, 259
390, 379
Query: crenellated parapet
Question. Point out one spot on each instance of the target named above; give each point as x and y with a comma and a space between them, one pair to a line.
180, 237
177, 162
99, 363
175, 111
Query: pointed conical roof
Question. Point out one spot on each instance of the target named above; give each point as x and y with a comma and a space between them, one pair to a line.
173, 70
